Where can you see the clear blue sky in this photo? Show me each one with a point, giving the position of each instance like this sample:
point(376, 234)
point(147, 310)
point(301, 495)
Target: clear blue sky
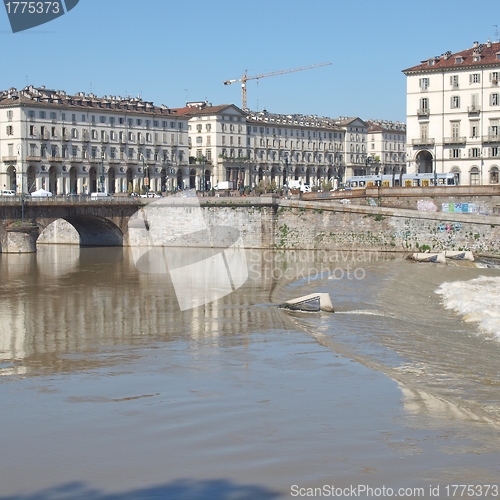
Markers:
point(170, 51)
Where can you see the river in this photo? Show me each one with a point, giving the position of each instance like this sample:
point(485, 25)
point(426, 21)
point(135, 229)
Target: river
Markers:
point(110, 391)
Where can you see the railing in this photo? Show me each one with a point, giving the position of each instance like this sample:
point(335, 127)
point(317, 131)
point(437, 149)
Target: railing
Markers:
point(33, 158)
point(473, 109)
point(55, 159)
point(10, 159)
point(454, 140)
point(423, 141)
point(423, 112)
point(491, 138)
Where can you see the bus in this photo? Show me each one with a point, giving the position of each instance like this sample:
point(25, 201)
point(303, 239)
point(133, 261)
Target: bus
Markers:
point(405, 180)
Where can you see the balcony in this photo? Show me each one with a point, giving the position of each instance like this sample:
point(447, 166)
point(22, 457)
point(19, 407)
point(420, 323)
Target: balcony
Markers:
point(423, 112)
point(9, 159)
point(491, 138)
point(85, 137)
point(114, 161)
point(132, 161)
point(75, 159)
point(65, 137)
point(95, 160)
point(474, 109)
point(55, 159)
point(454, 140)
point(33, 158)
point(423, 141)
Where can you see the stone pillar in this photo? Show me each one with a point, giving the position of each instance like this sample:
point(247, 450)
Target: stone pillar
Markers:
point(21, 238)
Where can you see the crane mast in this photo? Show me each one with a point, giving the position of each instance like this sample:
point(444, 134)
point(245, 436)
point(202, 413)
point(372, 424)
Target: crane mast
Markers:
point(245, 78)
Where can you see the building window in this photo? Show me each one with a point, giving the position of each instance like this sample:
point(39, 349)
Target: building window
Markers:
point(455, 153)
point(494, 77)
point(475, 78)
point(53, 115)
point(42, 114)
point(454, 81)
point(31, 114)
point(10, 130)
point(494, 100)
point(102, 119)
point(455, 102)
point(424, 83)
point(474, 129)
point(475, 152)
point(424, 129)
point(494, 175)
point(474, 176)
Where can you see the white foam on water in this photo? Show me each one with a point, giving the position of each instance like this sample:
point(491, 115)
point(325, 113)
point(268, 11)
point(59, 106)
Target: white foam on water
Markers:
point(476, 301)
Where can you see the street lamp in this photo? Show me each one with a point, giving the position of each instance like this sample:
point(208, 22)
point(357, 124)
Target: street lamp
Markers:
point(368, 162)
point(145, 171)
point(101, 183)
point(285, 176)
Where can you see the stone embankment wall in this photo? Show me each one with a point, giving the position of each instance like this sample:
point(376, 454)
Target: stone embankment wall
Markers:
point(331, 225)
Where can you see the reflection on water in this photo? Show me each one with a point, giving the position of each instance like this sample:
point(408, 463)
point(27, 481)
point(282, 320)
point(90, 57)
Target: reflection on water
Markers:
point(65, 302)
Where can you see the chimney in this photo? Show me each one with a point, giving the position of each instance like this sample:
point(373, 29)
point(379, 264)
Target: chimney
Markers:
point(475, 44)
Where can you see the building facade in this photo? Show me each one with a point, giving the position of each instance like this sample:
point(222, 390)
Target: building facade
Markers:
point(453, 114)
point(82, 144)
point(253, 149)
point(387, 147)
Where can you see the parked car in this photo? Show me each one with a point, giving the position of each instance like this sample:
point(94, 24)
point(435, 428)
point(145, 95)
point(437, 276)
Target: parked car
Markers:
point(96, 196)
point(7, 192)
point(150, 195)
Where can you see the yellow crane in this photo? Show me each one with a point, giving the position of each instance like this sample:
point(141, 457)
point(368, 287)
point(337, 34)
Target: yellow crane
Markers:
point(245, 78)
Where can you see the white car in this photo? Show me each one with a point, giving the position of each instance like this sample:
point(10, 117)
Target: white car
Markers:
point(7, 192)
point(150, 195)
point(96, 196)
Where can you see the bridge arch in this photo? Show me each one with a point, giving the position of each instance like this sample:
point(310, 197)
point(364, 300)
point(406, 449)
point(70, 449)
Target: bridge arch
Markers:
point(92, 231)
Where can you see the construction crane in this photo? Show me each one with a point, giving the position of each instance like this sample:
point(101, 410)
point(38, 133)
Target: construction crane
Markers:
point(245, 78)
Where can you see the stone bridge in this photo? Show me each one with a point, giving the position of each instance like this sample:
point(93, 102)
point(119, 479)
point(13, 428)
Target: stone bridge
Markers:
point(98, 223)
point(268, 222)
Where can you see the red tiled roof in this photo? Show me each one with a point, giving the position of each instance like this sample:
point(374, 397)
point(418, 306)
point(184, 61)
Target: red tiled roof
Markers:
point(208, 110)
point(488, 53)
